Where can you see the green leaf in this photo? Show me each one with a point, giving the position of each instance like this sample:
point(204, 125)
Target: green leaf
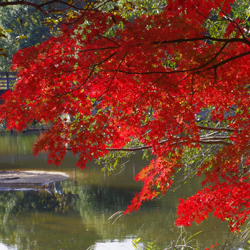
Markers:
point(194, 235)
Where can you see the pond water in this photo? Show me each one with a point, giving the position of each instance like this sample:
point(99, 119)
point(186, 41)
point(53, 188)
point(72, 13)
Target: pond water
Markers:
point(85, 211)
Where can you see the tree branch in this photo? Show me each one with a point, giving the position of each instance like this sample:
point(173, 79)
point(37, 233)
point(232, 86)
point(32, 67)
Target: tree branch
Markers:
point(216, 129)
point(22, 2)
point(202, 38)
point(202, 141)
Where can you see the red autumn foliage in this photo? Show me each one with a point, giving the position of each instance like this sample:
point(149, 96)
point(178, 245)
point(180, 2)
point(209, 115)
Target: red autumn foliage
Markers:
point(147, 79)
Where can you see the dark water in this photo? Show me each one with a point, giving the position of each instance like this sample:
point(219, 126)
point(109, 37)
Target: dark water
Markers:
point(86, 209)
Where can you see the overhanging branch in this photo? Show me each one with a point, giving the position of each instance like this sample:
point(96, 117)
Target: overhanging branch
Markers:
point(216, 129)
point(202, 141)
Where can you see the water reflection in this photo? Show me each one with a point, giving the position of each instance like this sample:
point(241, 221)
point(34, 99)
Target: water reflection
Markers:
point(79, 217)
point(74, 219)
point(123, 245)
point(77, 213)
point(43, 220)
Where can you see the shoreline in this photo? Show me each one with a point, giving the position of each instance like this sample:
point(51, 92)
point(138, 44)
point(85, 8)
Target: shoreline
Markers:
point(30, 178)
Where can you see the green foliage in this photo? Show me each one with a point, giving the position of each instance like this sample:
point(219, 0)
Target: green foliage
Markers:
point(117, 160)
point(148, 245)
point(183, 241)
point(217, 25)
point(20, 27)
point(2, 35)
point(132, 9)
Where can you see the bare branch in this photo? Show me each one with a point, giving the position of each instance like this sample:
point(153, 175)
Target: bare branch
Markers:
point(204, 141)
point(203, 38)
point(22, 2)
point(216, 129)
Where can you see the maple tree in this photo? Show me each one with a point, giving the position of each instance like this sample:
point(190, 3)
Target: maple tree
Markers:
point(139, 82)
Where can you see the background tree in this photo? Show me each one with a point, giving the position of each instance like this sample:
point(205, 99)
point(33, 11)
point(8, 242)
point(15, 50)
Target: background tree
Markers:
point(28, 23)
point(139, 82)
point(49, 7)
point(23, 28)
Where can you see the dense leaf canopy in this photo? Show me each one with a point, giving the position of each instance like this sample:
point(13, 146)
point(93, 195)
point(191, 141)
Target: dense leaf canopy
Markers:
point(174, 82)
